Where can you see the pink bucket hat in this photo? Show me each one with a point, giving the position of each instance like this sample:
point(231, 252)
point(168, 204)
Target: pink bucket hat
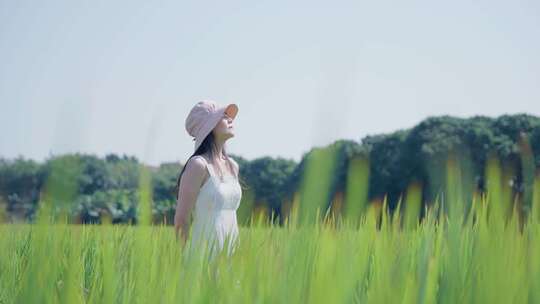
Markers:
point(204, 116)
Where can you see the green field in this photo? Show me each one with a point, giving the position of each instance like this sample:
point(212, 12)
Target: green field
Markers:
point(476, 248)
point(477, 259)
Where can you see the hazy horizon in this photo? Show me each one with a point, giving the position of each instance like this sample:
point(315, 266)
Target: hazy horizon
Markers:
point(297, 159)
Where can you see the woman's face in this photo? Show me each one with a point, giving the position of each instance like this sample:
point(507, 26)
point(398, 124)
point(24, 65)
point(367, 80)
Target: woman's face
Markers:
point(224, 129)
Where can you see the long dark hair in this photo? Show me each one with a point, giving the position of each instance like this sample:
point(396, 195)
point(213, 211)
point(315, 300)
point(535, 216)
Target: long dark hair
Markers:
point(207, 145)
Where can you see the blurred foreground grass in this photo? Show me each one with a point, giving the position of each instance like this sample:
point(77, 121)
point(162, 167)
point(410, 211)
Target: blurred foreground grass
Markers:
point(467, 247)
point(440, 260)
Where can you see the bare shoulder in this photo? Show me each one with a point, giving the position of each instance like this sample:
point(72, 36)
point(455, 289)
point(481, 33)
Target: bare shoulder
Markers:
point(196, 166)
point(198, 161)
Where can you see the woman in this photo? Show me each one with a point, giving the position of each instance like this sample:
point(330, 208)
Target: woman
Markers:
point(208, 184)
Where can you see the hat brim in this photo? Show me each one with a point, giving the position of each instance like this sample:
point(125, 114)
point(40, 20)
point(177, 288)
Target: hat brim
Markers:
point(231, 110)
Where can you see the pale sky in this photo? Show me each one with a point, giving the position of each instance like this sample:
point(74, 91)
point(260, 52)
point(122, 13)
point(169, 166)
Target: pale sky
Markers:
point(121, 76)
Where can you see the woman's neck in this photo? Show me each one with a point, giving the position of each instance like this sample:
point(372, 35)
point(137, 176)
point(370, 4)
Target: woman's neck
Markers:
point(218, 148)
point(220, 160)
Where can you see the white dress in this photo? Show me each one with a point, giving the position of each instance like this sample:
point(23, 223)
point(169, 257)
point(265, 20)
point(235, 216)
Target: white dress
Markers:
point(214, 216)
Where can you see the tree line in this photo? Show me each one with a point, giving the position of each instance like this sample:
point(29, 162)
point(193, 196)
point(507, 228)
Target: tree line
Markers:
point(343, 177)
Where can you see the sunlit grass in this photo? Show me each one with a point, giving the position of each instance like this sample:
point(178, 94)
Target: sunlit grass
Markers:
point(436, 261)
point(466, 248)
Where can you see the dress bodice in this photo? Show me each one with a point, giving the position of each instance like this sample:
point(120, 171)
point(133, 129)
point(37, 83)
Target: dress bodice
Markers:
point(214, 216)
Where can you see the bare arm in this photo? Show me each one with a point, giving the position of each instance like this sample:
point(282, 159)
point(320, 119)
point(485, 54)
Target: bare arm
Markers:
point(189, 188)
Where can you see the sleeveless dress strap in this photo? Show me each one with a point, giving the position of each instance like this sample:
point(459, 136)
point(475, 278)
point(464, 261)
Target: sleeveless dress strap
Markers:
point(208, 166)
point(211, 169)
